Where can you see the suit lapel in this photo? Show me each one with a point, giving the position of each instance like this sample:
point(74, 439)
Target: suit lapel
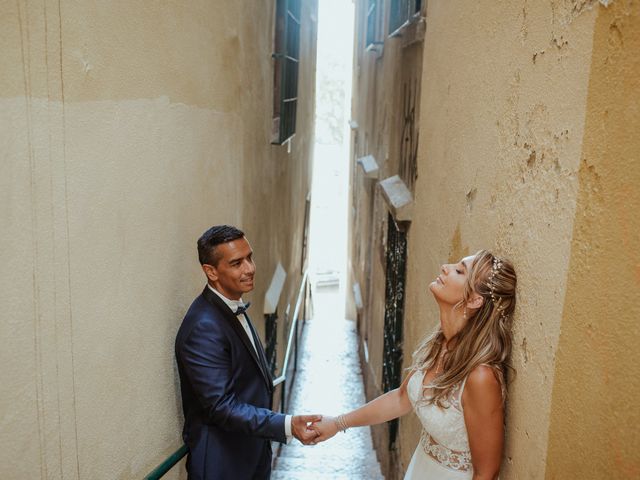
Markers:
point(230, 317)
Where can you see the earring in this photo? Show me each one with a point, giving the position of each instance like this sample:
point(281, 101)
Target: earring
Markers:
point(464, 314)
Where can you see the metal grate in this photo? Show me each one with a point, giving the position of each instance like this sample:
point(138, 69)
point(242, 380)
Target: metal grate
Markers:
point(271, 340)
point(394, 313)
point(287, 58)
point(401, 12)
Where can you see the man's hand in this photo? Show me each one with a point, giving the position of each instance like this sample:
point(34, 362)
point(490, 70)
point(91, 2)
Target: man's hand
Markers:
point(302, 430)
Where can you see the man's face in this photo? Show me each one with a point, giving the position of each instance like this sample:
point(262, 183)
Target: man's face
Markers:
point(233, 275)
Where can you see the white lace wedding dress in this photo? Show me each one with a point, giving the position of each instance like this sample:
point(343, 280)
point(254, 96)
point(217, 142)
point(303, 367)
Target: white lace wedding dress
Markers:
point(443, 452)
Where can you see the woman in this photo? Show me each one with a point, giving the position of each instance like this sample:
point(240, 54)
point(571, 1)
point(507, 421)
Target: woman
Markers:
point(457, 384)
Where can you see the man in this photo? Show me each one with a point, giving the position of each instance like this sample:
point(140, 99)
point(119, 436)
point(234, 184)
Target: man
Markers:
point(224, 378)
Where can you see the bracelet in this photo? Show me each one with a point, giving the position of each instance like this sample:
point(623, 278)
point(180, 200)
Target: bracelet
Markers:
point(341, 423)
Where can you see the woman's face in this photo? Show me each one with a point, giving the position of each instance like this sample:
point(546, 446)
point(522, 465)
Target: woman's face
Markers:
point(448, 287)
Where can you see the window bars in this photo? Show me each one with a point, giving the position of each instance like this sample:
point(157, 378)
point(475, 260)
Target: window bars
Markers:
point(286, 62)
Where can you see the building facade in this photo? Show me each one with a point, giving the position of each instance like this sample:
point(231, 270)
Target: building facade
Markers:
point(128, 128)
point(507, 126)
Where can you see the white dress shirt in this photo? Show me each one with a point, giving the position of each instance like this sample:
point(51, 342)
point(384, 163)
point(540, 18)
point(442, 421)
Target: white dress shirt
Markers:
point(234, 305)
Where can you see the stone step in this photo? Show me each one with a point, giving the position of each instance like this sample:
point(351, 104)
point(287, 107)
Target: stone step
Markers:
point(328, 381)
point(337, 456)
point(342, 451)
point(312, 475)
point(285, 475)
point(312, 472)
point(331, 465)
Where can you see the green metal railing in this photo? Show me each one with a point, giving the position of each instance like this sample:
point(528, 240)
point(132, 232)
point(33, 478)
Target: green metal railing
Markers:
point(168, 464)
point(292, 350)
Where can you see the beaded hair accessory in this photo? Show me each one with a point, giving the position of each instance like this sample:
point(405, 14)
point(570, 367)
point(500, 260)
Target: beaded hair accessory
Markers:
point(495, 269)
point(497, 265)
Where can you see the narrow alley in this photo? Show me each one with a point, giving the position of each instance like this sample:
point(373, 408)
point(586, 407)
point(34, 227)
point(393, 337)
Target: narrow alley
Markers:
point(329, 381)
point(357, 147)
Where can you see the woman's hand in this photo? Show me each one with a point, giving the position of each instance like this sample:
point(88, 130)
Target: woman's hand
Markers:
point(326, 428)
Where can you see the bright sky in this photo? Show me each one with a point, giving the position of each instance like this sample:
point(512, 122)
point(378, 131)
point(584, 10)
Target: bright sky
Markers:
point(335, 30)
point(335, 27)
point(328, 232)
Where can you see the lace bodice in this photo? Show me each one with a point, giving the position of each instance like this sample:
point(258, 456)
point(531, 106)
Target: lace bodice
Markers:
point(444, 437)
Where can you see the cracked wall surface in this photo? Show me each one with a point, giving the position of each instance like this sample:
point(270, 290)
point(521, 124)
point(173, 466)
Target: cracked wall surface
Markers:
point(510, 143)
point(504, 92)
point(513, 157)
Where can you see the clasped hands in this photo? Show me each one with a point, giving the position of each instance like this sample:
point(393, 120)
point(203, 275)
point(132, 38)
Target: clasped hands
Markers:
point(312, 429)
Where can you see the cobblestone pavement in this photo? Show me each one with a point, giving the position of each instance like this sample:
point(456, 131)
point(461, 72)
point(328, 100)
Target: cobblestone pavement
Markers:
point(328, 381)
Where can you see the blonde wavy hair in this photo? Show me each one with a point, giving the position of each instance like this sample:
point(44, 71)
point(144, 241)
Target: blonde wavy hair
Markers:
point(486, 337)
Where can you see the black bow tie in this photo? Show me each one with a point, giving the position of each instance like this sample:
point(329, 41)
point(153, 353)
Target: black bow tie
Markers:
point(243, 308)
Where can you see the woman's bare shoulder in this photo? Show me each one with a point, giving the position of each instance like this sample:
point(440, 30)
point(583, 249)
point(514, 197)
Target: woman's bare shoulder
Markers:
point(482, 381)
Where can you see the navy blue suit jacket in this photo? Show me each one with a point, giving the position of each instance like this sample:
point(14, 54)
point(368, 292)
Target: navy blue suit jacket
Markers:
point(226, 395)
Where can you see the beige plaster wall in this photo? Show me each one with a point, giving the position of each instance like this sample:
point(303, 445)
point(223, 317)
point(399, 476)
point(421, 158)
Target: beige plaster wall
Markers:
point(377, 109)
point(375, 106)
point(503, 112)
point(128, 129)
point(594, 410)
point(381, 77)
point(275, 188)
point(507, 89)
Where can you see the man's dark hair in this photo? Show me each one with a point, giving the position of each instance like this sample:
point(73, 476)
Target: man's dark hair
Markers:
point(213, 237)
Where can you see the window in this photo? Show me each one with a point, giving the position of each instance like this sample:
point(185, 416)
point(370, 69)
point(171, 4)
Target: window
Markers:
point(375, 13)
point(402, 12)
point(286, 60)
